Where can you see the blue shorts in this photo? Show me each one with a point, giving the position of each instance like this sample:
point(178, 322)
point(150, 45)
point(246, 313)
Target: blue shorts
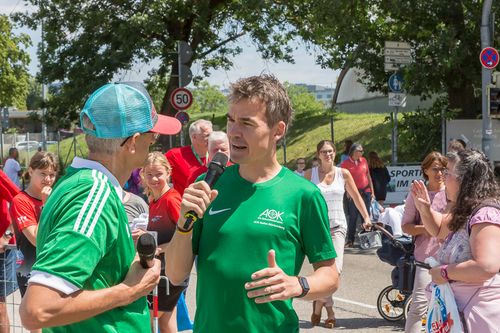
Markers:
point(8, 280)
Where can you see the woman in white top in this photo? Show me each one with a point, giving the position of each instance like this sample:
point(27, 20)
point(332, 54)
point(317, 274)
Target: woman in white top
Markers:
point(333, 182)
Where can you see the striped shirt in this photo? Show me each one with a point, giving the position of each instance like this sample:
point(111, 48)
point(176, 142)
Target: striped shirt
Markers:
point(84, 242)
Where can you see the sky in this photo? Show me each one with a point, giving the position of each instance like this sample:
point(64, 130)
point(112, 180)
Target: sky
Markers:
point(249, 62)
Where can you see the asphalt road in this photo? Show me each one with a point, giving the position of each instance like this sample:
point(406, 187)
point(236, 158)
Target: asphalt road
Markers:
point(363, 278)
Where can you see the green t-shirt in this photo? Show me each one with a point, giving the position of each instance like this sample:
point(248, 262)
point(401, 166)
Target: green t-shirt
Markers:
point(84, 238)
point(245, 221)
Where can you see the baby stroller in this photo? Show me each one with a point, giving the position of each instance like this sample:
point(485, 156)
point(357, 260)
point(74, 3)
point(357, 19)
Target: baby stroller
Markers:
point(394, 301)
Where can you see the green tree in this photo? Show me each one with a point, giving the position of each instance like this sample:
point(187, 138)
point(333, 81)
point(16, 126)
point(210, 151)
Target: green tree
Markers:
point(208, 98)
point(34, 99)
point(14, 60)
point(303, 103)
point(87, 42)
point(444, 35)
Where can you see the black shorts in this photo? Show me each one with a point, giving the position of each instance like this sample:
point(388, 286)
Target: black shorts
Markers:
point(167, 303)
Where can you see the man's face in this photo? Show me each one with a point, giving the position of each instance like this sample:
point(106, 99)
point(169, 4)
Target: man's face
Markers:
point(15, 154)
point(218, 146)
point(251, 140)
point(143, 143)
point(201, 139)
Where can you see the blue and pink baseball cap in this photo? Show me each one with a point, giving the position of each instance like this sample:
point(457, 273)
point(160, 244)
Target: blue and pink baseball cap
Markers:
point(119, 110)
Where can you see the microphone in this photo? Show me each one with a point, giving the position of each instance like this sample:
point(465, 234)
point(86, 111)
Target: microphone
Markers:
point(215, 169)
point(146, 247)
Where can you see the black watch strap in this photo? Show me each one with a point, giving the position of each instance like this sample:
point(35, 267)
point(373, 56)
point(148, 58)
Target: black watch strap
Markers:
point(304, 285)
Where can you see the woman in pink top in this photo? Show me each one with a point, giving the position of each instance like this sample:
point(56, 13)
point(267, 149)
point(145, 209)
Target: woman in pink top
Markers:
point(470, 255)
point(425, 244)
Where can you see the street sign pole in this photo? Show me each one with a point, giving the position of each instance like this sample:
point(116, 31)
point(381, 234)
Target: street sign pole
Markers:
point(394, 116)
point(486, 80)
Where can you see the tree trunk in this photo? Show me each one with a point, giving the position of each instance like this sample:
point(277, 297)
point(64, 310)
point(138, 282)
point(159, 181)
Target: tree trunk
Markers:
point(173, 82)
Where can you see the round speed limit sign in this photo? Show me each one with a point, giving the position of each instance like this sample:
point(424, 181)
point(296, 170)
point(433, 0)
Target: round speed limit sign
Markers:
point(181, 98)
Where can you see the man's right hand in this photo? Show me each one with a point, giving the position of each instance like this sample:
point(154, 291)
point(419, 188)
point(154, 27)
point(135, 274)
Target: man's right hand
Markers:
point(197, 197)
point(141, 281)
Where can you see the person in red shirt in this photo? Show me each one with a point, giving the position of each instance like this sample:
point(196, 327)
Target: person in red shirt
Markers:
point(217, 142)
point(188, 159)
point(360, 171)
point(164, 208)
point(26, 208)
point(8, 283)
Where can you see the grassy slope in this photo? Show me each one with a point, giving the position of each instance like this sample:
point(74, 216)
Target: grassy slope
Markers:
point(304, 134)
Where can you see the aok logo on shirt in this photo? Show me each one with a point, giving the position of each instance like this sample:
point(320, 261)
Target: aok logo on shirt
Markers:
point(271, 217)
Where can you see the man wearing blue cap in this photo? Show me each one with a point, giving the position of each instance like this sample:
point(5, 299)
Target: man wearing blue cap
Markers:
point(85, 278)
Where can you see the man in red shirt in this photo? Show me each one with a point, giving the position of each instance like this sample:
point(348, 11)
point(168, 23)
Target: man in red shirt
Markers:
point(358, 167)
point(217, 142)
point(188, 159)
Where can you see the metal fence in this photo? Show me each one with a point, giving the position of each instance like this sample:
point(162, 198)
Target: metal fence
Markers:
point(9, 303)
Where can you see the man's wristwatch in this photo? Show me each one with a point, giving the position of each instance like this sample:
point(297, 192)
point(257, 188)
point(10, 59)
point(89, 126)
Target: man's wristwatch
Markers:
point(304, 285)
point(444, 273)
point(8, 233)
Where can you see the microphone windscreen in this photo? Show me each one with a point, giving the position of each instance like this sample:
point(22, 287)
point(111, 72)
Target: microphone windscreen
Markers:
point(220, 159)
point(146, 245)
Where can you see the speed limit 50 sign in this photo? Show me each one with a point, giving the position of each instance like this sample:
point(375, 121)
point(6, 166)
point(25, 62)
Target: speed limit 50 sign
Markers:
point(181, 98)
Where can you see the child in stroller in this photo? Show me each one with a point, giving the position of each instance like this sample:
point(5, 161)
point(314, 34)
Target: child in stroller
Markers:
point(394, 300)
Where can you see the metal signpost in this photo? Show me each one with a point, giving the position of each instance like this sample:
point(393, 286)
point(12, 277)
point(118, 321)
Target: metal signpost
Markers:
point(396, 56)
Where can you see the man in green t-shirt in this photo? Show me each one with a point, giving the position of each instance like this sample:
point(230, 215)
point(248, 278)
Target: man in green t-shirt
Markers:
point(86, 277)
point(256, 226)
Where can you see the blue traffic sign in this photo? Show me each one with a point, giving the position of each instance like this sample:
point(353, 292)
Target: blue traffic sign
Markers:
point(396, 83)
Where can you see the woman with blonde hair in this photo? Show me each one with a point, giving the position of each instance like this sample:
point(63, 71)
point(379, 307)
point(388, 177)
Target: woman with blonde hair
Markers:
point(164, 209)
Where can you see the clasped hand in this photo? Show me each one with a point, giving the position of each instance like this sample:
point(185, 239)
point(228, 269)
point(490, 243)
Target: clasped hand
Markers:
point(272, 284)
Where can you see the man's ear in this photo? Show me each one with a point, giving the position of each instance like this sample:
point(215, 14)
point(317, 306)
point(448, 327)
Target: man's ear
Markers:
point(131, 144)
point(280, 131)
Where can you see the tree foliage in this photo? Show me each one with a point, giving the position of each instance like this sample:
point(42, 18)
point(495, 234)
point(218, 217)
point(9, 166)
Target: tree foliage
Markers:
point(87, 42)
point(444, 35)
point(208, 98)
point(14, 60)
point(303, 102)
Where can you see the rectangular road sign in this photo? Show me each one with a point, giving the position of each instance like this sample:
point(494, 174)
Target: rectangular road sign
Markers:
point(397, 99)
point(397, 45)
point(388, 67)
point(397, 60)
point(397, 52)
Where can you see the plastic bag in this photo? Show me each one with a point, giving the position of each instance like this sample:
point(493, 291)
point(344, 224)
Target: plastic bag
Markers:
point(442, 314)
point(183, 321)
point(375, 210)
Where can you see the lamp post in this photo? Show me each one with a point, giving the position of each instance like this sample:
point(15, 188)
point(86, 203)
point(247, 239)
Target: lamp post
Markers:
point(486, 80)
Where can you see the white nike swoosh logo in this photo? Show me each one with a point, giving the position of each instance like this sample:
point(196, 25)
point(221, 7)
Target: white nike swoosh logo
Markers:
point(213, 212)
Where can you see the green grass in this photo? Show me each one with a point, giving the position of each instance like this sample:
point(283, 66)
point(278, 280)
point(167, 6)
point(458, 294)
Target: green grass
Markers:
point(371, 130)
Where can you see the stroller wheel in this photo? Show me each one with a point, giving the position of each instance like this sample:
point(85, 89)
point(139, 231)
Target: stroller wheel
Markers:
point(391, 304)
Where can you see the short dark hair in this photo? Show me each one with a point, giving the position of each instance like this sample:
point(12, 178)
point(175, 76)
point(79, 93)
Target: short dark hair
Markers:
point(12, 150)
point(268, 90)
